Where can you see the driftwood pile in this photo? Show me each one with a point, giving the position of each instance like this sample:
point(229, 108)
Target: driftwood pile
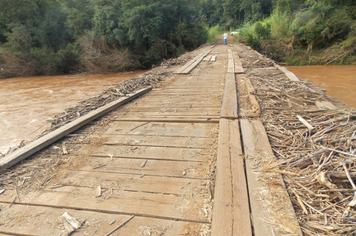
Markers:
point(108, 95)
point(315, 144)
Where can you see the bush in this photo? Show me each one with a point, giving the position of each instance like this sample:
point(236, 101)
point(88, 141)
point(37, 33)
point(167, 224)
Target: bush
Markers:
point(213, 32)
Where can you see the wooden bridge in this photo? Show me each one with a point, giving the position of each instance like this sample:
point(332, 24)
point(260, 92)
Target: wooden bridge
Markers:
point(182, 159)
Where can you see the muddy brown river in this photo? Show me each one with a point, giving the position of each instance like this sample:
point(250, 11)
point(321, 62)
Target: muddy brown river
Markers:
point(339, 81)
point(27, 103)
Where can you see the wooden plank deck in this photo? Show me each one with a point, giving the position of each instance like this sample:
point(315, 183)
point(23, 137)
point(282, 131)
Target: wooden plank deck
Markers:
point(172, 163)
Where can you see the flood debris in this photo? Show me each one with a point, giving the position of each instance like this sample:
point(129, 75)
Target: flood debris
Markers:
point(70, 224)
point(313, 138)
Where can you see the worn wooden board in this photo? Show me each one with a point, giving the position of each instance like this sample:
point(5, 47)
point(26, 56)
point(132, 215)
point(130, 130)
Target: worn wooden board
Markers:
point(184, 169)
point(131, 182)
point(115, 201)
point(271, 209)
point(289, 74)
point(207, 58)
point(148, 128)
point(229, 104)
point(222, 221)
point(32, 220)
point(33, 147)
point(188, 67)
point(154, 140)
point(37, 220)
point(144, 152)
point(230, 63)
point(175, 120)
point(241, 208)
point(325, 105)
point(251, 94)
point(231, 213)
point(238, 66)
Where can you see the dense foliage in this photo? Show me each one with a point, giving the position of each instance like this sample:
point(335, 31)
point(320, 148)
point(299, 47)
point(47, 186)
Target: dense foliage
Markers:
point(57, 36)
point(307, 32)
point(63, 36)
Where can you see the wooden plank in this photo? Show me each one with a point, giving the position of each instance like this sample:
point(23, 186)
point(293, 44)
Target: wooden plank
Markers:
point(188, 142)
point(35, 146)
point(289, 74)
point(167, 168)
point(180, 69)
point(251, 95)
point(147, 128)
point(230, 64)
point(39, 220)
point(146, 152)
point(241, 208)
point(325, 105)
point(229, 105)
point(222, 221)
point(231, 213)
point(238, 66)
point(177, 109)
point(32, 220)
point(271, 209)
point(125, 182)
point(192, 64)
point(116, 202)
point(207, 58)
point(170, 120)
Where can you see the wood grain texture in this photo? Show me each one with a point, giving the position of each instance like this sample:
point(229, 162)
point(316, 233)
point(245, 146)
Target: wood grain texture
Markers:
point(251, 95)
point(271, 209)
point(229, 105)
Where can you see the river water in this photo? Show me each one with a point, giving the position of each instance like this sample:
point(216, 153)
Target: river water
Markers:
point(339, 81)
point(27, 103)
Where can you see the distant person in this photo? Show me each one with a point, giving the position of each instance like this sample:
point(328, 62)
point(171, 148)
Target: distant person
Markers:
point(225, 38)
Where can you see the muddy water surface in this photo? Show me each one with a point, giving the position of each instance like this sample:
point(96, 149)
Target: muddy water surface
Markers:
point(339, 81)
point(26, 103)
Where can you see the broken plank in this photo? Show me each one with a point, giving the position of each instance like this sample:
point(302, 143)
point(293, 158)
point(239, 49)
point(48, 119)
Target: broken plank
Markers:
point(266, 197)
point(33, 147)
point(229, 104)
